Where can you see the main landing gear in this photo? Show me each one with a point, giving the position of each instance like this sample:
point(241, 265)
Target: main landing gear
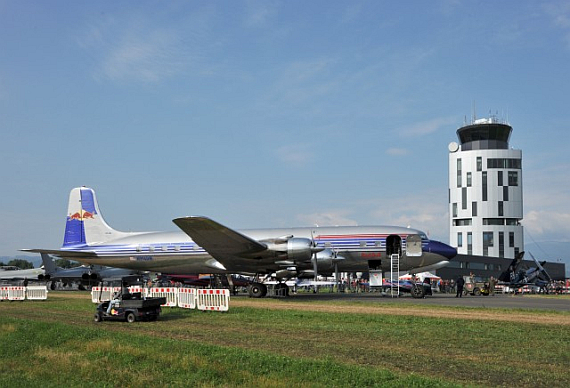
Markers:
point(257, 290)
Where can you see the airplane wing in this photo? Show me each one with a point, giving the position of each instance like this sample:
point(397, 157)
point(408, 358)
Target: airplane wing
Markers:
point(220, 241)
point(63, 253)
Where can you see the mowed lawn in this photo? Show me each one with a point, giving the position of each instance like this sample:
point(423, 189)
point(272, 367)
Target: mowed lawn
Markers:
point(282, 343)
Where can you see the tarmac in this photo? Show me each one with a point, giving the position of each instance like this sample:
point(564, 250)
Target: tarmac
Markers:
point(499, 301)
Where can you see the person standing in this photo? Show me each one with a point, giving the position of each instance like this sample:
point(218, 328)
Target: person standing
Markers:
point(492, 283)
point(459, 284)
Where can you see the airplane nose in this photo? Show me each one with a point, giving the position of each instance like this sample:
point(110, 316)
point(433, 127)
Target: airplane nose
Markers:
point(441, 249)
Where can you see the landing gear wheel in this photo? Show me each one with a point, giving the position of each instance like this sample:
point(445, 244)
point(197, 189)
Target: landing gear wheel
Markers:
point(257, 290)
point(131, 317)
point(417, 291)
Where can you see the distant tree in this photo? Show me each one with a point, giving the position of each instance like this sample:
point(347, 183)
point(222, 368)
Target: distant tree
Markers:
point(64, 263)
point(2, 263)
point(21, 263)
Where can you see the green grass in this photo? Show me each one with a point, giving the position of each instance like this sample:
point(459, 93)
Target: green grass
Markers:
point(55, 343)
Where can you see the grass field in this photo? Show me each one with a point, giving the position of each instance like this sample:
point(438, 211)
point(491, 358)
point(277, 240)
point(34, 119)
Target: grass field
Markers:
point(283, 343)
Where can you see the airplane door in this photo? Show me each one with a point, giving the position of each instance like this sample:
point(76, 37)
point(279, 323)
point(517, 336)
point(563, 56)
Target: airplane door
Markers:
point(393, 245)
point(413, 245)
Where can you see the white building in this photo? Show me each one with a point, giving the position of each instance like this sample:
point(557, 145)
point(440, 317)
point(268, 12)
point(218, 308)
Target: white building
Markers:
point(485, 191)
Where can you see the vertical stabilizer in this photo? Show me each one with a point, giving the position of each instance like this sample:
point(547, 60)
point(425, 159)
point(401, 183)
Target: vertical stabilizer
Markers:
point(49, 265)
point(85, 225)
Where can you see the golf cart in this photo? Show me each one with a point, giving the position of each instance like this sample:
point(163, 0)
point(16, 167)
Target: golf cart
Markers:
point(130, 307)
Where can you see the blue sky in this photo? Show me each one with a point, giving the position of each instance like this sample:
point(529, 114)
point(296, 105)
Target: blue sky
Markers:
point(274, 113)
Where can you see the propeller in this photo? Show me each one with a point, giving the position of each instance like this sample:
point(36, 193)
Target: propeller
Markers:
point(541, 268)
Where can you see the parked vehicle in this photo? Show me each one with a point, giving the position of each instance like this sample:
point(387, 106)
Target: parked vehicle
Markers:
point(475, 285)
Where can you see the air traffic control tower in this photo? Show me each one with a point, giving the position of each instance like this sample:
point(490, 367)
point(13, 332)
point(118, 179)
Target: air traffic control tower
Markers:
point(485, 190)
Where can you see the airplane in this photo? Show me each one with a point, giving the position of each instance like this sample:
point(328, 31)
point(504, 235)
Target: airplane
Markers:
point(535, 276)
point(85, 275)
point(205, 246)
point(11, 273)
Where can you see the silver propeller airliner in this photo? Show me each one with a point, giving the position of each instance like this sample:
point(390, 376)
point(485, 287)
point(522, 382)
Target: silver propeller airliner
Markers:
point(205, 246)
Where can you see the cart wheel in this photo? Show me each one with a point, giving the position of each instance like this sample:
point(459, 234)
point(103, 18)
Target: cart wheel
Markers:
point(97, 317)
point(477, 291)
point(131, 317)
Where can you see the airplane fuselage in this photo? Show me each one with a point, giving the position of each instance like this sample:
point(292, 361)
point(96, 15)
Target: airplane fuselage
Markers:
point(176, 253)
point(205, 246)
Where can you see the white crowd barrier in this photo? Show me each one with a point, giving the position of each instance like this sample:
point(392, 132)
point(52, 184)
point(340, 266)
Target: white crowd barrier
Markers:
point(189, 298)
point(17, 293)
point(36, 292)
point(213, 299)
point(4, 292)
point(103, 294)
point(170, 293)
point(21, 292)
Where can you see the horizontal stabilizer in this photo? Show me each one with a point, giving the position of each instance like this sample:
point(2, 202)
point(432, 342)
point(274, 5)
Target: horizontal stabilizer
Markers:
point(218, 240)
point(63, 253)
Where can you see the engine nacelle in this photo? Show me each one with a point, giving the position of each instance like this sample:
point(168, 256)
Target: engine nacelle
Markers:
point(286, 273)
point(327, 259)
point(300, 249)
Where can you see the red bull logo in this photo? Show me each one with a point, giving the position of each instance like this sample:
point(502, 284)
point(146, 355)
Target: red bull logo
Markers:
point(81, 216)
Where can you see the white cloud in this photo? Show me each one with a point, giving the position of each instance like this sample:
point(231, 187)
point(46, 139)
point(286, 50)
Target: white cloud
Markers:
point(397, 151)
point(428, 127)
point(260, 13)
point(148, 58)
point(135, 50)
point(301, 85)
point(560, 15)
point(330, 218)
point(548, 225)
point(297, 155)
point(422, 210)
point(546, 189)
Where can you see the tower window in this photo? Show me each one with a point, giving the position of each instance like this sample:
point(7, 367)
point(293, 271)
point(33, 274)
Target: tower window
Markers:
point(484, 185)
point(487, 242)
point(479, 163)
point(458, 172)
point(501, 244)
point(513, 178)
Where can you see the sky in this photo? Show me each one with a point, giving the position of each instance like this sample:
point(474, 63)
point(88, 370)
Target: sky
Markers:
point(275, 113)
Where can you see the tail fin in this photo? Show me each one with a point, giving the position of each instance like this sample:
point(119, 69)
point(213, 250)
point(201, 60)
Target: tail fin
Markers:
point(49, 265)
point(85, 225)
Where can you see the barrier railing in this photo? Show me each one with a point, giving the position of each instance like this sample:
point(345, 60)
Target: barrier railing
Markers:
point(170, 293)
point(4, 293)
point(17, 293)
point(36, 292)
point(188, 298)
point(22, 293)
point(103, 294)
point(213, 299)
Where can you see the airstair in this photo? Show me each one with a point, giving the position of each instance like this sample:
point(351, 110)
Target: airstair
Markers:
point(394, 274)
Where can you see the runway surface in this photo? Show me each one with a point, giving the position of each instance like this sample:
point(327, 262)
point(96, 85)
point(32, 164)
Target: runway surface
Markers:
point(507, 301)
